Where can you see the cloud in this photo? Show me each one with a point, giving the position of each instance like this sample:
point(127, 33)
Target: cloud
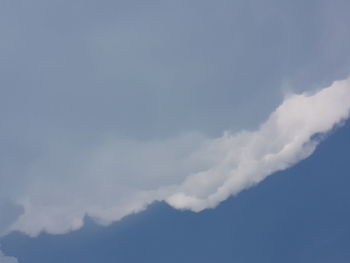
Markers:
point(92, 105)
point(287, 137)
point(5, 259)
point(112, 178)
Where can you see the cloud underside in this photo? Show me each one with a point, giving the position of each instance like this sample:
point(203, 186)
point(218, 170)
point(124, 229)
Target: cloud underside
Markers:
point(115, 178)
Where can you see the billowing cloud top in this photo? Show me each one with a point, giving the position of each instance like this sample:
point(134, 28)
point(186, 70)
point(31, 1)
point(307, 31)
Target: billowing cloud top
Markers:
point(114, 178)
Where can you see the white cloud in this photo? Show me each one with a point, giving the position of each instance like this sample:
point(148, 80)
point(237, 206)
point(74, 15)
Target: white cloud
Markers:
point(116, 178)
point(283, 140)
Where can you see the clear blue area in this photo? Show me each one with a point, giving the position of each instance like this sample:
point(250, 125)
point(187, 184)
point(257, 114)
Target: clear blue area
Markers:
point(299, 215)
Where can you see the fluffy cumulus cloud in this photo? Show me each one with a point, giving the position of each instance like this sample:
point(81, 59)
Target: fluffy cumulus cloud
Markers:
point(113, 178)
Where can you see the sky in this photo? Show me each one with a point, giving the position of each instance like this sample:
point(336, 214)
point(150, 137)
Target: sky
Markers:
point(121, 119)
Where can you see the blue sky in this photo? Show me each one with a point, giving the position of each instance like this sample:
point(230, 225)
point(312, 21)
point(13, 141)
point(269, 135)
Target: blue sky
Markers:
point(162, 121)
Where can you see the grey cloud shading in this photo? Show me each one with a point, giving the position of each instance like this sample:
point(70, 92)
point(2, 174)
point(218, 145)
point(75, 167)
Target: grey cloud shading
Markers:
point(146, 83)
point(12, 212)
point(164, 67)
